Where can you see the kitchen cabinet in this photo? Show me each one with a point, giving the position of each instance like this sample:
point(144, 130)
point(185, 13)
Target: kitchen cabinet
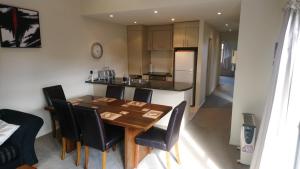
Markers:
point(138, 56)
point(160, 37)
point(186, 34)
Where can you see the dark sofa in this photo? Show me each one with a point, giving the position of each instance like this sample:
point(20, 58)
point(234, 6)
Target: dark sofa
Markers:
point(19, 148)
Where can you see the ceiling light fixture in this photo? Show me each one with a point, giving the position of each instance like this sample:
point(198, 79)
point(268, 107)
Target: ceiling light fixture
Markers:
point(111, 15)
point(219, 13)
point(226, 25)
point(173, 19)
point(135, 22)
point(155, 12)
point(230, 30)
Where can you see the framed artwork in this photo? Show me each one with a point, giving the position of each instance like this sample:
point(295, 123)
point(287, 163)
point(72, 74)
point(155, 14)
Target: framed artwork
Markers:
point(19, 27)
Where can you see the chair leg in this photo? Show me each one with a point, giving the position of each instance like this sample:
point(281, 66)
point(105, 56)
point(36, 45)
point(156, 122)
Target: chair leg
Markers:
point(136, 155)
point(114, 147)
point(177, 153)
point(168, 160)
point(63, 150)
point(78, 144)
point(53, 126)
point(86, 154)
point(104, 160)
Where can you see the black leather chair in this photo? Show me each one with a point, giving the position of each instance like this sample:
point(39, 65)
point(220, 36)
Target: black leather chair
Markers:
point(51, 93)
point(142, 95)
point(19, 148)
point(117, 92)
point(95, 134)
point(68, 126)
point(163, 139)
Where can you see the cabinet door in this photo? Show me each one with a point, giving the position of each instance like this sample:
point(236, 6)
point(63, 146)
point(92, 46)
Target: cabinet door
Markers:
point(135, 51)
point(192, 35)
point(161, 40)
point(179, 35)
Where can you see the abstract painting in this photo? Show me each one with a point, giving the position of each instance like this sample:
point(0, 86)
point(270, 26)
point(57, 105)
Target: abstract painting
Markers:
point(19, 28)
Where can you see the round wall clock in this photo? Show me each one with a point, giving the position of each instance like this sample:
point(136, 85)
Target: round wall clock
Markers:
point(96, 50)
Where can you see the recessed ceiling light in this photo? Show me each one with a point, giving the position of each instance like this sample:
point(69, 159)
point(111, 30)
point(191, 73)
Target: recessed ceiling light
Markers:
point(135, 22)
point(173, 19)
point(219, 13)
point(155, 11)
point(230, 30)
point(226, 25)
point(111, 15)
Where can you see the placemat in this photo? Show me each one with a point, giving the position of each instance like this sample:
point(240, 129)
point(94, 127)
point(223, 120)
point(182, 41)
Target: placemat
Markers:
point(136, 103)
point(153, 114)
point(104, 99)
point(110, 115)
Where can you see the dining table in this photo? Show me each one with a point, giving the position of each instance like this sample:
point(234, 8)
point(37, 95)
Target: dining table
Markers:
point(135, 117)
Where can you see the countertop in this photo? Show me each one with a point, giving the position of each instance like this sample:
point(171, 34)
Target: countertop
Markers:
point(158, 74)
point(151, 84)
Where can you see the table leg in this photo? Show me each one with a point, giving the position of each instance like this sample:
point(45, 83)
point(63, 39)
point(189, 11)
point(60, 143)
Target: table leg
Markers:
point(130, 134)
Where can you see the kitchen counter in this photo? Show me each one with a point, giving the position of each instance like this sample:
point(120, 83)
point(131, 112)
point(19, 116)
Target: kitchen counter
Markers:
point(164, 93)
point(151, 84)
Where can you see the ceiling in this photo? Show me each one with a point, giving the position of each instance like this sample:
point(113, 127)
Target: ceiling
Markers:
point(182, 10)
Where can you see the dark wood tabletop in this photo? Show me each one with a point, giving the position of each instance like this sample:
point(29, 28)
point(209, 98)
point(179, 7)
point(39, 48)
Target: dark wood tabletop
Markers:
point(133, 119)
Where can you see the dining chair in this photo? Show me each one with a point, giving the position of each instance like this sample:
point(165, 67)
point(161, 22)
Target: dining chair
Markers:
point(116, 92)
point(142, 95)
point(96, 134)
point(68, 126)
point(51, 93)
point(163, 139)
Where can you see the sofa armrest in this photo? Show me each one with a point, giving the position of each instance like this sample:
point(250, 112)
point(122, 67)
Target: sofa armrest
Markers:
point(24, 137)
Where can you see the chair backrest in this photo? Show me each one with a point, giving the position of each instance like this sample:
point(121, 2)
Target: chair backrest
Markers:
point(54, 92)
point(92, 127)
point(174, 125)
point(116, 92)
point(67, 119)
point(142, 95)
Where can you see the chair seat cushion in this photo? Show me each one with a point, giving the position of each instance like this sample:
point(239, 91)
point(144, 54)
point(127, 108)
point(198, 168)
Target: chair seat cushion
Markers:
point(154, 137)
point(8, 153)
point(113, 135)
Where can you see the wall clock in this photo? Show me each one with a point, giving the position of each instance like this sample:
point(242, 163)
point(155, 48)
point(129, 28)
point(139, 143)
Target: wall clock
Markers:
point(96, 50)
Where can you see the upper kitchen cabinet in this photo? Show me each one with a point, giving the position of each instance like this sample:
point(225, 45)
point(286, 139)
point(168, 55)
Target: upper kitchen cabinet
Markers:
point(160, 37)
point(138, 56)
point(186, 34)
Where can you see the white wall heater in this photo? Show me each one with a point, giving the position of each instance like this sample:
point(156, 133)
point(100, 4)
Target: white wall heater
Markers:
point(248, 135)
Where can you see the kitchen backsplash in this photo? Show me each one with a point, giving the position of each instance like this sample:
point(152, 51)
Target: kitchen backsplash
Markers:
point(162, 61)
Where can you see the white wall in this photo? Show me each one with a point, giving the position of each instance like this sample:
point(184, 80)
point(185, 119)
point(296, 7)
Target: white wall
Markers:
point(206, 32)
point(260, 24)
point(63, 59)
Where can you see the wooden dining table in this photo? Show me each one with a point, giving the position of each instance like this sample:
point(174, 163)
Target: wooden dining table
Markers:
point(132, 118)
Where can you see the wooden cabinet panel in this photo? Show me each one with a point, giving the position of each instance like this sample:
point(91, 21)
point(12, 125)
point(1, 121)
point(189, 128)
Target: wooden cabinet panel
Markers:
point(134, 43)
point(138, 56)
point(179, 35)
point(186, 34)
point(162, 40)
point(160, 37)
point(192, 36)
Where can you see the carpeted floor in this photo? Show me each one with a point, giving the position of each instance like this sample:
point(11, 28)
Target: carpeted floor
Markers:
point(203, 145)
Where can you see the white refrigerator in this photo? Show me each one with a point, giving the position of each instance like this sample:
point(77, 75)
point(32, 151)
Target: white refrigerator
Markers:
point(184, 66)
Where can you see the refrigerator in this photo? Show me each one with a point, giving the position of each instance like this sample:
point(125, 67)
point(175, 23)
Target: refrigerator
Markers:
point(184, 66)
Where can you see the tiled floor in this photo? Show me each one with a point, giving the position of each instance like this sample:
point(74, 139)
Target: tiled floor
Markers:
point(203, 145)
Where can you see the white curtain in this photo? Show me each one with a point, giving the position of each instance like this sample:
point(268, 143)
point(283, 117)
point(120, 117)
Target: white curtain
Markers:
point(277, 144)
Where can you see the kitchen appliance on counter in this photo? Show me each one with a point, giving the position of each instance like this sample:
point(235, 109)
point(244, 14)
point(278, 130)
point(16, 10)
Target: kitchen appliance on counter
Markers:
point(106, 74)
